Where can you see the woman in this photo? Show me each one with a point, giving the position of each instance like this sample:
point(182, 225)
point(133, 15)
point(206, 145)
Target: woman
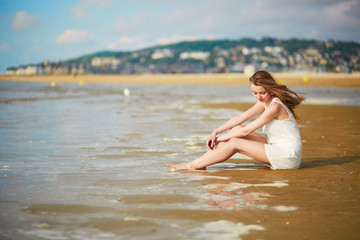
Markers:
point(280, 150)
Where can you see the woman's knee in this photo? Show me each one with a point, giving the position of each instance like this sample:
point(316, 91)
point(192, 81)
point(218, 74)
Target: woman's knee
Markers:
point(234, 144)
point(231, 145)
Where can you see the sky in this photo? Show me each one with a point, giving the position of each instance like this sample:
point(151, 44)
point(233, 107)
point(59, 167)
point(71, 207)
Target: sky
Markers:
point(32, 31)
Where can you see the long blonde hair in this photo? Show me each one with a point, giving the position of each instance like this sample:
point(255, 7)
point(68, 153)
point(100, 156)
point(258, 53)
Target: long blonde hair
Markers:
point(290, 98)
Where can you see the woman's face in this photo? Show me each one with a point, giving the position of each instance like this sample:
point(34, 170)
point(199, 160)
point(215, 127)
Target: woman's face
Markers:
point(260, 93)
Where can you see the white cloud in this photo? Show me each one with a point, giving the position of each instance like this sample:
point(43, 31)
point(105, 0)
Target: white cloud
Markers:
point(119, 25)
point(213, 16)
point(128, 42)
point(71, 36)
point(340, 15)
point(313, 34)
point(81, 11)
point(129, 39)
point(139, 41)
point(99, 3)
point(22, 21)
point(210, 37)
point(4, 47)
point(277, 18)
point(174, 39)
point(134, 25)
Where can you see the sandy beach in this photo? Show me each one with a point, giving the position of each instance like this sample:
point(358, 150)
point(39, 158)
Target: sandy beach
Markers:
point(87, 162)
point(291, 79)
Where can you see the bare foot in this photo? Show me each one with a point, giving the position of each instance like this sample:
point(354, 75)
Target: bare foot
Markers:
point(177, 166)
point(182, 166)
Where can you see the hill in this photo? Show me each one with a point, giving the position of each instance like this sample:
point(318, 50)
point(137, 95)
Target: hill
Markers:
point(218, 56)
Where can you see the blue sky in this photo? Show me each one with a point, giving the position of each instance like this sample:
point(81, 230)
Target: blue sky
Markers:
point(38, 30)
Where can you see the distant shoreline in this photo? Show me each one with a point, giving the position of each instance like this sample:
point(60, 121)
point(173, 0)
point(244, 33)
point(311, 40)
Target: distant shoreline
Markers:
point(225, 79)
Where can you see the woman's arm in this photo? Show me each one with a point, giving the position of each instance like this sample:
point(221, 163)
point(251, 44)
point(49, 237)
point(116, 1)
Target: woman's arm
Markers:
point(239, 119)
point(270, 113)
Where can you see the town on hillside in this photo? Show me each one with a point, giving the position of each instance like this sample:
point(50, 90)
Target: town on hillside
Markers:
point(216, 56)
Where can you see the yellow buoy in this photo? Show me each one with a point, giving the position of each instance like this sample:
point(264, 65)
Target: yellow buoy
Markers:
point(81, 82)
point(305, 79)
point(53, 84)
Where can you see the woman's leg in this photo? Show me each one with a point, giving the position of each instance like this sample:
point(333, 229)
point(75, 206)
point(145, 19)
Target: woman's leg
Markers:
point(224, 151)
point(219, 154)
point(252, 145)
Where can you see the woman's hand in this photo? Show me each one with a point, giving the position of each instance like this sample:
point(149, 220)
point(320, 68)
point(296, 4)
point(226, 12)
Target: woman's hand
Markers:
point(211, 141)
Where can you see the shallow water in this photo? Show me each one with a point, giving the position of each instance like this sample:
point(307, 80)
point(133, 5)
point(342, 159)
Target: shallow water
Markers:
point(86, 162)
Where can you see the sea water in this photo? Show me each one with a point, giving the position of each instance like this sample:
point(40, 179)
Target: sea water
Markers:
point(86, 162)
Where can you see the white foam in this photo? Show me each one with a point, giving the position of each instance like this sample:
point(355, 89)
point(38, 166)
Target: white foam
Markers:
point(229, 187)
point(190, 141)
point(202, 177)
point(235, 185)
point(62, 234)
point(284, 208)
point(278, 184)
point(41, 225)
point(224, 230)
point(234, 166)
point(45, 234)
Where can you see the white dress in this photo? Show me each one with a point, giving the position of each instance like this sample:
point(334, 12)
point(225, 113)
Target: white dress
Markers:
point(284, 146)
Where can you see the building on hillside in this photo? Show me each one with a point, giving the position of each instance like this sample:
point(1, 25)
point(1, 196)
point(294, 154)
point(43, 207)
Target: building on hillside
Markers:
point(162, 53)
point(105, 62)
point(11, 71)
point(20, 70)
point(30, 70)
point(195, 55)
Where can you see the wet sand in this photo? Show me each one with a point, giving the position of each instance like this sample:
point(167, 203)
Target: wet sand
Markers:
point(318, 201)
point(291, 79)
point(326, 188)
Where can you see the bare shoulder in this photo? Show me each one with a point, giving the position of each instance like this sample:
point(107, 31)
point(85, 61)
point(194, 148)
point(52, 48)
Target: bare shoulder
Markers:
point(275, 107)
point(278, 111)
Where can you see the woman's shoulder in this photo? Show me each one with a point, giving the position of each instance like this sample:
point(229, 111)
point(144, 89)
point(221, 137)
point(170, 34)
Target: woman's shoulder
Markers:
point(276, 99)
point(273, 100)
point(279, 106)
point(275, 105)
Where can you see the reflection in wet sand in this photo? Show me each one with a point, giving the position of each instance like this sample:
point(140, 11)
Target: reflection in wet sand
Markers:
point(231, 196)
